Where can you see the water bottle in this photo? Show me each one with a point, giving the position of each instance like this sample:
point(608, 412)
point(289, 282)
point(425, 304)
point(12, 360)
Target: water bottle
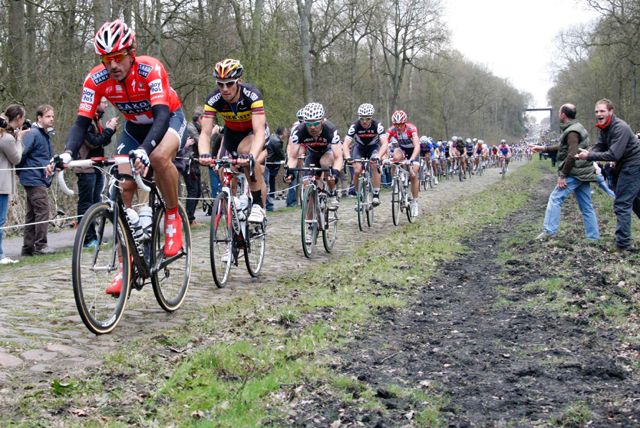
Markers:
point(146, 218)
point(134, 223)
point(241, 207)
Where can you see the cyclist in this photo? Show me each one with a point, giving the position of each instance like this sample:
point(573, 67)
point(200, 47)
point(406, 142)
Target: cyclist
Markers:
point(427, 153)
point(246, 133)
point(458, 151)
point(320, 139)
point(504, 154)
point(370, 143)
point(154, 128)
point(404, 135)
point(468, 147)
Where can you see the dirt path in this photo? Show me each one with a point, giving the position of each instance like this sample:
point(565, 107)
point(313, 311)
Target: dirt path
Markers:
point(42, 337)
point(496, 363)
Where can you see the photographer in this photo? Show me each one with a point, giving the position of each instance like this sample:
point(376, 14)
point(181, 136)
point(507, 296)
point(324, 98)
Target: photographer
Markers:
point(10, 153)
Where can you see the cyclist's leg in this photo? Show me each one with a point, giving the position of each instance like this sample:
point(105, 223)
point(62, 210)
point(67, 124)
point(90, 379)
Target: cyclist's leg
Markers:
point(414, 170)
point(256, 183)
point(326, 161)
point(356, 153)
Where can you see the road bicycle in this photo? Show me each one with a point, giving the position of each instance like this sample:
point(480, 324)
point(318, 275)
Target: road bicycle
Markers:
point(400, 201)
point(316, 215)
point(364, 194)
point(425, 174)
point(456, 169)
point(231, 235)
point(119, 247)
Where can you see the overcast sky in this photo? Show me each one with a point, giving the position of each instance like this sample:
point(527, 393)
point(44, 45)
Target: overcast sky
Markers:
point(514, 39)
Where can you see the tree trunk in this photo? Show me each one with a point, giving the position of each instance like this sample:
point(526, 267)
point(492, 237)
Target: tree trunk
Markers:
point(15, 50)
point(304, 12)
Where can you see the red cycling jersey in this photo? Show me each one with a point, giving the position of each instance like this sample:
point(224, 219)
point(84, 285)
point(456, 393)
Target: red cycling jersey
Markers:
point(404, 139)
point(146, 85)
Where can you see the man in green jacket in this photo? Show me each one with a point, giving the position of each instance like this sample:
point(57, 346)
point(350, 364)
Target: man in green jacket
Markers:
point(574, 176)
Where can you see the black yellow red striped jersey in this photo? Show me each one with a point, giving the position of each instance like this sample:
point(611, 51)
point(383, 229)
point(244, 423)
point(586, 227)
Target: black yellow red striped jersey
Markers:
point(236, 116)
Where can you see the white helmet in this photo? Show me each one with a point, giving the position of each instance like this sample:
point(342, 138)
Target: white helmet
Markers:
point(299, 115)
point(313, 111)
point(366, 110)
point(113, 37)
point(424, 139)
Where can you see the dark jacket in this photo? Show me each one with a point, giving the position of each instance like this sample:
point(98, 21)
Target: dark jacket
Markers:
point(275, 152)
point(617, 143)
point(37, 153)
point(95, 141)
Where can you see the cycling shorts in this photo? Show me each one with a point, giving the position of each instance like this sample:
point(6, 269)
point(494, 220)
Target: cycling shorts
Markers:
point(232, 139)
point(134, 133)
point(365, 152)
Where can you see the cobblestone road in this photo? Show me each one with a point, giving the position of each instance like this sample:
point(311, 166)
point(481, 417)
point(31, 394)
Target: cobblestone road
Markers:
point(42, 336)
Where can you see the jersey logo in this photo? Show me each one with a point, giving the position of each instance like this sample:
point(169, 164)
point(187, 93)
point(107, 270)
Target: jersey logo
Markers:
point(155, 87)
point(214, 99)
point(85, 107)
point(134, 107)
point(100, 77)
point(250, 94)
point(88, 95)
point(144, 70)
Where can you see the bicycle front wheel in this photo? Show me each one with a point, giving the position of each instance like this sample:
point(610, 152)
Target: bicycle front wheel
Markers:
point(220, 240)
point(395, 201)
point(369, 203)
point(361, 204)
point(309, 221)
point(254, 248)
point(330, 231)
point(95, 266)
point(170, 278)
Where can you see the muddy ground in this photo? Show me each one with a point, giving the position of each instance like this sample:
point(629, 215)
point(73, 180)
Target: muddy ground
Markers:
point(471, 339)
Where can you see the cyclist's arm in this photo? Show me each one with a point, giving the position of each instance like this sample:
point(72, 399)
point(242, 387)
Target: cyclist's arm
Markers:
point(416, 147)
point(77, 133)
point(346, 146)
point(384, 146)
point(159, 127)
point(293, 150)
point(206, 130)
point(337, 156)
point(258, 122)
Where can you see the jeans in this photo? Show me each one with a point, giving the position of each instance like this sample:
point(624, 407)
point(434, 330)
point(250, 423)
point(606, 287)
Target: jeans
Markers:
point(627, 200)
point(292, 197)
point(603, 185)
point(192, 183)
point(35, 235)
point(582, 191)
point(89, 191)
point(270, 174)
point(214, 182)
point(4, 207)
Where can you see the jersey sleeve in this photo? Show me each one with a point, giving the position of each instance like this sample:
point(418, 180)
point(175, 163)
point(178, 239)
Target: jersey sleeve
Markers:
point(381, 131)
point(91, 93)
point(352, 131)
point(210, 104)
point(257, 103)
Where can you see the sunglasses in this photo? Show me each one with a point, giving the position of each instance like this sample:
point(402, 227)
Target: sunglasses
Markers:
point(399, 124)
point(316, 123)
point(365, 119)
point(117, 57)
point(227, 84)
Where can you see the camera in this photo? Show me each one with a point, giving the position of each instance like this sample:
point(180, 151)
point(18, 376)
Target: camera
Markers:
point(26, 124)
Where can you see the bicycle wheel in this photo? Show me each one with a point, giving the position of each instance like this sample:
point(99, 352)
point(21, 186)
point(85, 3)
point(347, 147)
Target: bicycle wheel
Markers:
point(94, 268)
point(361, 204)
point(330, 230)
point(460, 173)
point(504, 169)
point(220, 240)
point(254, 247)
point(309, 221)
point(395, 200)
point(369, 203)
point(170, 278)
point(410, 216)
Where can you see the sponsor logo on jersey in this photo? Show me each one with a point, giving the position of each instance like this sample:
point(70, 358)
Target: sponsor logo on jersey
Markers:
point(88, 95)
point(155, 87)
point(134, 107)
point(85, 106)
point(250, 94)
point(119, 88)
point(214, 99)
point(100, 76)
point(144, 69)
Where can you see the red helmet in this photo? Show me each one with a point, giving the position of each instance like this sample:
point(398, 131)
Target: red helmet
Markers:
point(398, 116)
point(114, 36)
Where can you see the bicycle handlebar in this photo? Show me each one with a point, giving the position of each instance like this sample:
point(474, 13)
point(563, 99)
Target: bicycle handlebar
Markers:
point(100, 161)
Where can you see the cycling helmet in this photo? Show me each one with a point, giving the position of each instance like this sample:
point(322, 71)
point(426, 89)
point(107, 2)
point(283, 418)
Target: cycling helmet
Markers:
point(228, 69)
point(468, 141)
point(366, 110)
point(424, 140)
point(398, 117)
point(313, 111)
point(299, 115)
point(503, 141)
point(112, 37)
point(475, 140)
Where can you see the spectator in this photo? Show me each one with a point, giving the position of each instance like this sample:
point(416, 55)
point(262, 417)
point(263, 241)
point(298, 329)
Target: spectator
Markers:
point(36, 155)
point(574, 176)
point(90, 181)
point(191, 174)
point(275, 155)
point(11, 136)
point(619, 144)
